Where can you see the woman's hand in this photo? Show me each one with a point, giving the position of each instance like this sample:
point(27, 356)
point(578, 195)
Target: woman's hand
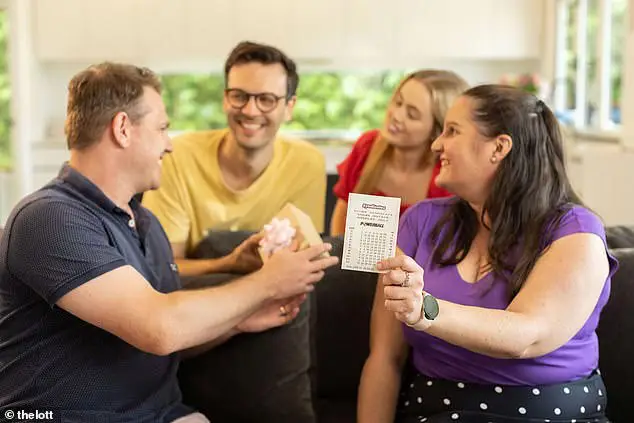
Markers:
point(403, 288)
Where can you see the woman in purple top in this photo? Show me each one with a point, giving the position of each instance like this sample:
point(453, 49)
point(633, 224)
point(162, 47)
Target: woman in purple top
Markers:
point(496, 292)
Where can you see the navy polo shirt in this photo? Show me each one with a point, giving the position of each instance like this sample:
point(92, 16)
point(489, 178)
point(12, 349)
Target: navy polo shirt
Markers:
point(56, 239)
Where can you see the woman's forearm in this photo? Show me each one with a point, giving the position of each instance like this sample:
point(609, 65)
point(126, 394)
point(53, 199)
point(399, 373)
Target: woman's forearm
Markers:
point(492, 332)
point(378, 391)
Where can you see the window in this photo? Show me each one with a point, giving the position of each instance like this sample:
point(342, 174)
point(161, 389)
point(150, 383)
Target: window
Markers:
point(5, 95)
point(590, 50)
point(341, 101)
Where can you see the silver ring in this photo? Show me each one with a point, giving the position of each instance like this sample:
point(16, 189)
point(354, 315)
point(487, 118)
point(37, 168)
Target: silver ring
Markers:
point(406, 281)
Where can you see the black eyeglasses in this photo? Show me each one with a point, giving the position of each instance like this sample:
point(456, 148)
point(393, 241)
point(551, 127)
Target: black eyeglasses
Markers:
point(265, 102)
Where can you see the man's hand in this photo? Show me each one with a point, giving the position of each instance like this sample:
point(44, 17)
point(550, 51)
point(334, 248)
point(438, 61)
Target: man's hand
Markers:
point(289, 273)
point(274, 314)
point(245, 258)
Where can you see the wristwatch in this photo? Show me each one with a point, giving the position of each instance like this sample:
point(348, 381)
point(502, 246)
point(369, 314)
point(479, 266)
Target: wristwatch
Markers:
point(430, 309)
point(430, 306)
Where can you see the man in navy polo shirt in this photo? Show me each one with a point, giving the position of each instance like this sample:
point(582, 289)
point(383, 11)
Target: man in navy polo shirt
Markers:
point(91, 315)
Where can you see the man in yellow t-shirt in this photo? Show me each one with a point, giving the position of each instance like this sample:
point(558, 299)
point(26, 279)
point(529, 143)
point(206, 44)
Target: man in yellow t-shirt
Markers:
point(239, 178)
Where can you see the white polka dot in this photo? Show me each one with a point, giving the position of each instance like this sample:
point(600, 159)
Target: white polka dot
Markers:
point(411, 386)
point(406, 403)
point(424, 420)
point(586, 390)
point(498, 389)
point(522, 410)
point(557, 411)
point(446, 401)
point(429, 383)
point(536, 391)
point(573, 421)
point(460, 385)
point(419, 400)
point(455, 416)
point(599, 407)
point(484, 406)
point(582, 409)
point(566, 390)
point(547, 421)
point(600, 393)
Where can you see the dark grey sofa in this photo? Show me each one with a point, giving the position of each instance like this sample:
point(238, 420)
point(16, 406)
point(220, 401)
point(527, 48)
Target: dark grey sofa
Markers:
point(339, 317)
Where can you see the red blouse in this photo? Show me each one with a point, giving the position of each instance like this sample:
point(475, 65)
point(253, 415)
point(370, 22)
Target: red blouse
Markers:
point(350, 171)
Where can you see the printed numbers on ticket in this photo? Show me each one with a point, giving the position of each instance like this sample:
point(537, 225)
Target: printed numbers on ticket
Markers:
point(371, 230)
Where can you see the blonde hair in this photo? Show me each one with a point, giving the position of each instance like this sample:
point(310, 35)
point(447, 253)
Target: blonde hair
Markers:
point(444, 87)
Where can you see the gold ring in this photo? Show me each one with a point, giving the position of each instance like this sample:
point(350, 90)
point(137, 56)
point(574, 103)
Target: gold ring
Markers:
point(283, 311)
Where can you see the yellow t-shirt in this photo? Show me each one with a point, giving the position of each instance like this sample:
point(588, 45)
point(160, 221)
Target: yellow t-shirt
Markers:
point(193, 197)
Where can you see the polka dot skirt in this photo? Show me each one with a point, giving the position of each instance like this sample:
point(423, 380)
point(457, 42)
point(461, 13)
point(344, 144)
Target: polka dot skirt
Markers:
point(423, 399)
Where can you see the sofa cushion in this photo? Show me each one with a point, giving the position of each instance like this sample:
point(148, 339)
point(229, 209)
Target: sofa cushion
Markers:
point(336, 411)
point(343, 305)
point(616, 347)
point(219, 243)
point(260, 377)
point(620, 236)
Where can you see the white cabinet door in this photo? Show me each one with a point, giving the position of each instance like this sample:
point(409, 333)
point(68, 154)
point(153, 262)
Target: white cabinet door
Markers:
point(315, 33)
point(519, 28)
point(209, 33)
point(57, 26)
point(370, 31)
point(422, 30)
point(308, 31)
point(262, 21)
point(86, 31)
point(187, 33)
point(161, 31)
point(468, 29)
point(113, 30)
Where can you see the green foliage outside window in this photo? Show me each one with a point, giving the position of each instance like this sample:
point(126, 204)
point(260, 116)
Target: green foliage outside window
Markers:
point(618, 36)
point(5, 97)
point(349, 101)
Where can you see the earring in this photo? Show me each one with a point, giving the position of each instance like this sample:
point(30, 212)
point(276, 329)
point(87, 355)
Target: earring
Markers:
point(494, 159)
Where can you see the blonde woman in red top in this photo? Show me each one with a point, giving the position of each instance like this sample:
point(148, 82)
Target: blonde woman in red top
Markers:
point(397, 160)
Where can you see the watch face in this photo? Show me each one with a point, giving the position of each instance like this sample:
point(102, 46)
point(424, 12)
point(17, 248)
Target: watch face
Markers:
point(430, 306)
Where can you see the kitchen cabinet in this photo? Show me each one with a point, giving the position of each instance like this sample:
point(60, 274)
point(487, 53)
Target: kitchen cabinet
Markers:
point(86, 31)
point(460, 29)
point(329, 32)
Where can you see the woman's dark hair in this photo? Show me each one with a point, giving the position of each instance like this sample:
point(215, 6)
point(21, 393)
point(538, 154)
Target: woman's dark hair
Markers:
point(530, 191)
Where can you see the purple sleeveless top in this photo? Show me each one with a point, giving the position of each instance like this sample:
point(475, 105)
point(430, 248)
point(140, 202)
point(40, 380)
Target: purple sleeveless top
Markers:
point(436, 358)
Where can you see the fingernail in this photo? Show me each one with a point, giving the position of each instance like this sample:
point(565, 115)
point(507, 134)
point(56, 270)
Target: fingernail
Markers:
point(328, 246)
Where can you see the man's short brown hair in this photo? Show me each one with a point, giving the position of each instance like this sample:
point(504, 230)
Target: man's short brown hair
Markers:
point(98, 93)
point(249, 52)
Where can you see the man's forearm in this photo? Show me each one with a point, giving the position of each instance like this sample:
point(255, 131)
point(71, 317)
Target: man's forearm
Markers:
point(200, 349)
point(198, 267)
point(196, 317)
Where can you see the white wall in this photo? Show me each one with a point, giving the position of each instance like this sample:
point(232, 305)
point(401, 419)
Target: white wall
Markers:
point(602, 173)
